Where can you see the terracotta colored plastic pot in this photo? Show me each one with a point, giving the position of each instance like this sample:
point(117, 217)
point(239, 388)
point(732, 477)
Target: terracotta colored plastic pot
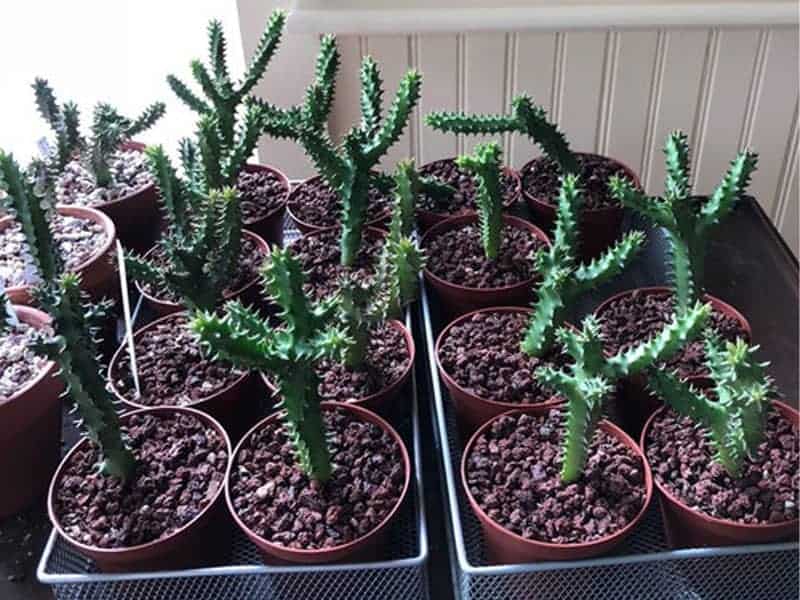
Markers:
point(249, 294)
point(599, 227)
point(472, 410)
point(506, 547)
point(188, 546)
point(428, 218)
point(689, 528)
point(30, 435)
point(136, 216)
point(459, 299)
point(366, 547)
point(383, 401)
point(270, 226)
point(232, 406)
point(305, 227)
point(98, 274)
point(635, 402)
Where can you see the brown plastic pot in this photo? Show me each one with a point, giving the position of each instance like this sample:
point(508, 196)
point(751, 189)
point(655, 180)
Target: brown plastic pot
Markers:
point(383, 401)
point(635, 402)
point(599, 227)
point(505, 547)
point(459, 299)
point(182, 548)
point(428, 218)
point(270, 226)
point(98, 273)
point(232, 406)
point(30, 436)
point(686, 527)
point(305, 227)
point(472, 410)
point(366, 547)
point(249, 294)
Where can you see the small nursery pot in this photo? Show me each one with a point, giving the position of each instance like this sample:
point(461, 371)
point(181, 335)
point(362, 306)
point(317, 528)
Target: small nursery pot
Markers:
point(599, 227)
point(249, 294)
point(30, 436)
point(690, 528)
point(428, 218)
point(506, 547)
point(180, 549)
point(305, 227)
point(383, 401)
point(459, 299)
point(230, 406)
point(635, 402)
point(98, 273)
point(471, 409)
point(366, 546)
point(270, 226)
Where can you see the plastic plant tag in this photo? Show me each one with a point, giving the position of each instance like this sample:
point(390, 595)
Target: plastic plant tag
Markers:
point(126, 311)
point(10, 313)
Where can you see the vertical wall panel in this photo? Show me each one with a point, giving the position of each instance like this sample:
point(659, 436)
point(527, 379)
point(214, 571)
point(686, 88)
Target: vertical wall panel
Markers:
point(486, 72)
point(438, 64)
point(583, 75)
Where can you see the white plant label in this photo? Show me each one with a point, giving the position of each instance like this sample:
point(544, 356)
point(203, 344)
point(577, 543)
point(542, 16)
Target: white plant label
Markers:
point(10, 313)
point(126, 311)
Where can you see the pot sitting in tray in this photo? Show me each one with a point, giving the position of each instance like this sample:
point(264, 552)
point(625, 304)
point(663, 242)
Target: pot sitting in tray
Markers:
point(312, 483)
point(724, 458)
point(477, 261)
point(487, 358)
point(545, 486)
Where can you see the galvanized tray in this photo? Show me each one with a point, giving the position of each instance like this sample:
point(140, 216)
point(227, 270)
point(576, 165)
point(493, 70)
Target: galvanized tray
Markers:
point(644, 568)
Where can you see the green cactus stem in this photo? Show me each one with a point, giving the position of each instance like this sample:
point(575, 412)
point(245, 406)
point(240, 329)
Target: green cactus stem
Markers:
point(563, 280)
point(735, 412)
point(346, 167)
point(687, 220)
point(288, 353)
point(587, 381)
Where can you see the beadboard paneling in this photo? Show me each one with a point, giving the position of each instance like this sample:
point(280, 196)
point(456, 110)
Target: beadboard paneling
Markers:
point(437, 57)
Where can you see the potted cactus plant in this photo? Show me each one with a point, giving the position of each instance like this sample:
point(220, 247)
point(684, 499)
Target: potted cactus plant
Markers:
point(553, 485)
point(601, 216)
point(298, 485)
point(487, 358)
point(105, 171)
point(724, 456)
point(634, 315)
point(481, 260)
point(230, 125)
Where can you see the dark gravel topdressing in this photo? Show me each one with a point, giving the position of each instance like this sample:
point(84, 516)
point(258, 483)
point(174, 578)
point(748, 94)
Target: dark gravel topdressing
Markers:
point(316, 203)
point(78, 240)
point(281, 504)
point(766, 491)
point(542, 180)
point(447, 171)
point(637, 317)
point(181, 465)
point(172, 369)
point(482, 354)
point(129, 173)
point(260, 194)
point(457, 256)
point(513, 474)
point(320, 258)
point(19, 365)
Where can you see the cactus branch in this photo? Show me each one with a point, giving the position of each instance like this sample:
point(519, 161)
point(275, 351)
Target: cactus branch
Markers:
point(486, 165)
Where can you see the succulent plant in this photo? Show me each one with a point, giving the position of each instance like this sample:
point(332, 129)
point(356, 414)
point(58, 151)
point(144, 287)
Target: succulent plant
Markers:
point(588, 380)
point(288, 353)
point(563, 280)
point(203, 243)
point(347, 167)
point(227, 136)
point(526, 118)
point(688, 220)
point(735, 412)
point(109, 130)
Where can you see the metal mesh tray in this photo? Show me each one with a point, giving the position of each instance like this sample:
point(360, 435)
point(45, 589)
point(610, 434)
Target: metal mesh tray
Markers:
point(645, 567)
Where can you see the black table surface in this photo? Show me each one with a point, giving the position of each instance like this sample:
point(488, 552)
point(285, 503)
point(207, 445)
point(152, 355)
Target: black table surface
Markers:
point(748, 266)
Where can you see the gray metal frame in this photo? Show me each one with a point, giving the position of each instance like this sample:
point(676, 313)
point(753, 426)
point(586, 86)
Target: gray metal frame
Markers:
point(644, 568)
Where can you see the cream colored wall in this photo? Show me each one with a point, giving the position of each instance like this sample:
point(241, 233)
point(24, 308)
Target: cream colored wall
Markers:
point(615, 92)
